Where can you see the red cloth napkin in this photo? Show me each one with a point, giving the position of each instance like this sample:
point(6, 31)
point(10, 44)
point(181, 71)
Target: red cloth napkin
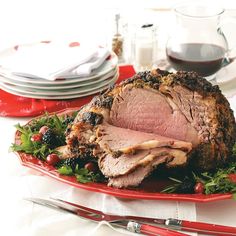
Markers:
point(17, 106)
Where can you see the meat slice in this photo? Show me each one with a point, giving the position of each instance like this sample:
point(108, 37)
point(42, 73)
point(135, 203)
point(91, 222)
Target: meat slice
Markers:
point(128, 141)
point(121, 151)
point(136, 177)
point(178, 119)
point(129, 162)
point(128, 150)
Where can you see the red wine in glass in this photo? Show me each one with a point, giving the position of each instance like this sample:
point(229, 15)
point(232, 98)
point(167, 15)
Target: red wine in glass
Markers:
point(205, 59)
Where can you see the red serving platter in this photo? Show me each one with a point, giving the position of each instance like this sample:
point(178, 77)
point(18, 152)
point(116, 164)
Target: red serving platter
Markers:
point(147, 191)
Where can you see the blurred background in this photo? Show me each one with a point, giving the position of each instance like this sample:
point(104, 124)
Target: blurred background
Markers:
point(26, 21)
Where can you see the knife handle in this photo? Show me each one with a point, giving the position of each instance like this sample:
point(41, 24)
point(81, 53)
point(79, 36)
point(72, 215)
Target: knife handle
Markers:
point(210, 229)
point(151, 230)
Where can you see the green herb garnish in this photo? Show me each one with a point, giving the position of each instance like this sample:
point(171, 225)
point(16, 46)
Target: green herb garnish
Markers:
point(82, 175)
point(221, 181)
point(65, 170)
point(41, 149)
point(35, 148)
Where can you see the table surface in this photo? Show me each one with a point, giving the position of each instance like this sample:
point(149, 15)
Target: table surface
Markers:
point(20, 217)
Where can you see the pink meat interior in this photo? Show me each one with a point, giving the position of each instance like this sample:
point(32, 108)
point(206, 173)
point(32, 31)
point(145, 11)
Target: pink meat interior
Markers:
point(149, 111)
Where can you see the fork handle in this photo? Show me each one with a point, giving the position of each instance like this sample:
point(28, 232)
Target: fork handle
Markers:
point(211, 229)
point(151, 230)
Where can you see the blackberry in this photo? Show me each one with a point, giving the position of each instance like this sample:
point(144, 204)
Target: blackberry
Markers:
point(92, 118)
point(187, 186)
point(103, 101)
point(51, 139)
point(68, 120)
point(72, 162)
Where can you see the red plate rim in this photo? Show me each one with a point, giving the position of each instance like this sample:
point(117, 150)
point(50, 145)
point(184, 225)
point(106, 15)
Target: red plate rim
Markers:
point(36, 164)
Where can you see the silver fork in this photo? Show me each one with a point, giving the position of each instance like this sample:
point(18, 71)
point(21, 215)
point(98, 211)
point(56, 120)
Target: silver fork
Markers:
point(133, 225)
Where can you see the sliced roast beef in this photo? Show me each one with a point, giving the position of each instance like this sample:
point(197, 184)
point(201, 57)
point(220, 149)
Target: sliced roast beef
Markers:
point(129, 141)
point(136, 177)
point(154, 117)
point(127, 163)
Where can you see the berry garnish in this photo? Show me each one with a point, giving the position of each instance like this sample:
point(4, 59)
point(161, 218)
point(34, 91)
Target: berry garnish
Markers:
point(36, 137)
point(91, 166)
point(52, 159)
point(199, 187)
point(50, 138)
point(72, 162)
point(43, 129)
point(232, 178)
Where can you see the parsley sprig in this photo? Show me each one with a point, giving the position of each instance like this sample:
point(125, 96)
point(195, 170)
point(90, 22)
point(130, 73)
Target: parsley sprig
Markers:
point(82, 175)
point(221, 181)
point(41, 150)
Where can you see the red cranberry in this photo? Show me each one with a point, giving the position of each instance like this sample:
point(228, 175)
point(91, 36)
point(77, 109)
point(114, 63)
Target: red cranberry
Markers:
point(52, 159)
point(91, 166)
point(232, 178)
point(36, 137)
point(199, 187)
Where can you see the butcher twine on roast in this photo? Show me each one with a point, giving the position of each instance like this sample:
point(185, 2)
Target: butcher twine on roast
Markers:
point(157, 117)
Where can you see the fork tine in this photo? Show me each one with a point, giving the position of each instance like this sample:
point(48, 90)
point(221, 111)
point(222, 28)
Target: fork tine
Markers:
point(103, 216)
point(111, 217)
point(136, 227)
point(51, 204)
point(67, 208)
point(90, 210)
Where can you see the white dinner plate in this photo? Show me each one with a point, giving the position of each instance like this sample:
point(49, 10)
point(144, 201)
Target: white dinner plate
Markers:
point(62, 96)
point(60, 92)
point(58, 86)
point(106, 67)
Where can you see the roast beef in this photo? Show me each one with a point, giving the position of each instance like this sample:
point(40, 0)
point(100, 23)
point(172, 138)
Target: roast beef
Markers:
point(177, 119)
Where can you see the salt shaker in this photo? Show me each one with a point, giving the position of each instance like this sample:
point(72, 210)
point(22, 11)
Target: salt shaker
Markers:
point(145, 47)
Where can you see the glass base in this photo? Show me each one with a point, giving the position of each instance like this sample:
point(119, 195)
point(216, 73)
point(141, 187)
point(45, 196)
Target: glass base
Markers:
point(211, 78)
point(140, 68)
point(224, 76)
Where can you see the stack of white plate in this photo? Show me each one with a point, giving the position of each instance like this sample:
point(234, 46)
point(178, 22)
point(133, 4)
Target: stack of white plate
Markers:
point(62, 88)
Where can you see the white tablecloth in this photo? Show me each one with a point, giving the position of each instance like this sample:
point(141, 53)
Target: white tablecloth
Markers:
point(19, 217)
point(22, 218)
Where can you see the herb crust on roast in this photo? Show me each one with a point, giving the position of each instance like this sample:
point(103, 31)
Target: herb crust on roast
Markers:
point(153, 118)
